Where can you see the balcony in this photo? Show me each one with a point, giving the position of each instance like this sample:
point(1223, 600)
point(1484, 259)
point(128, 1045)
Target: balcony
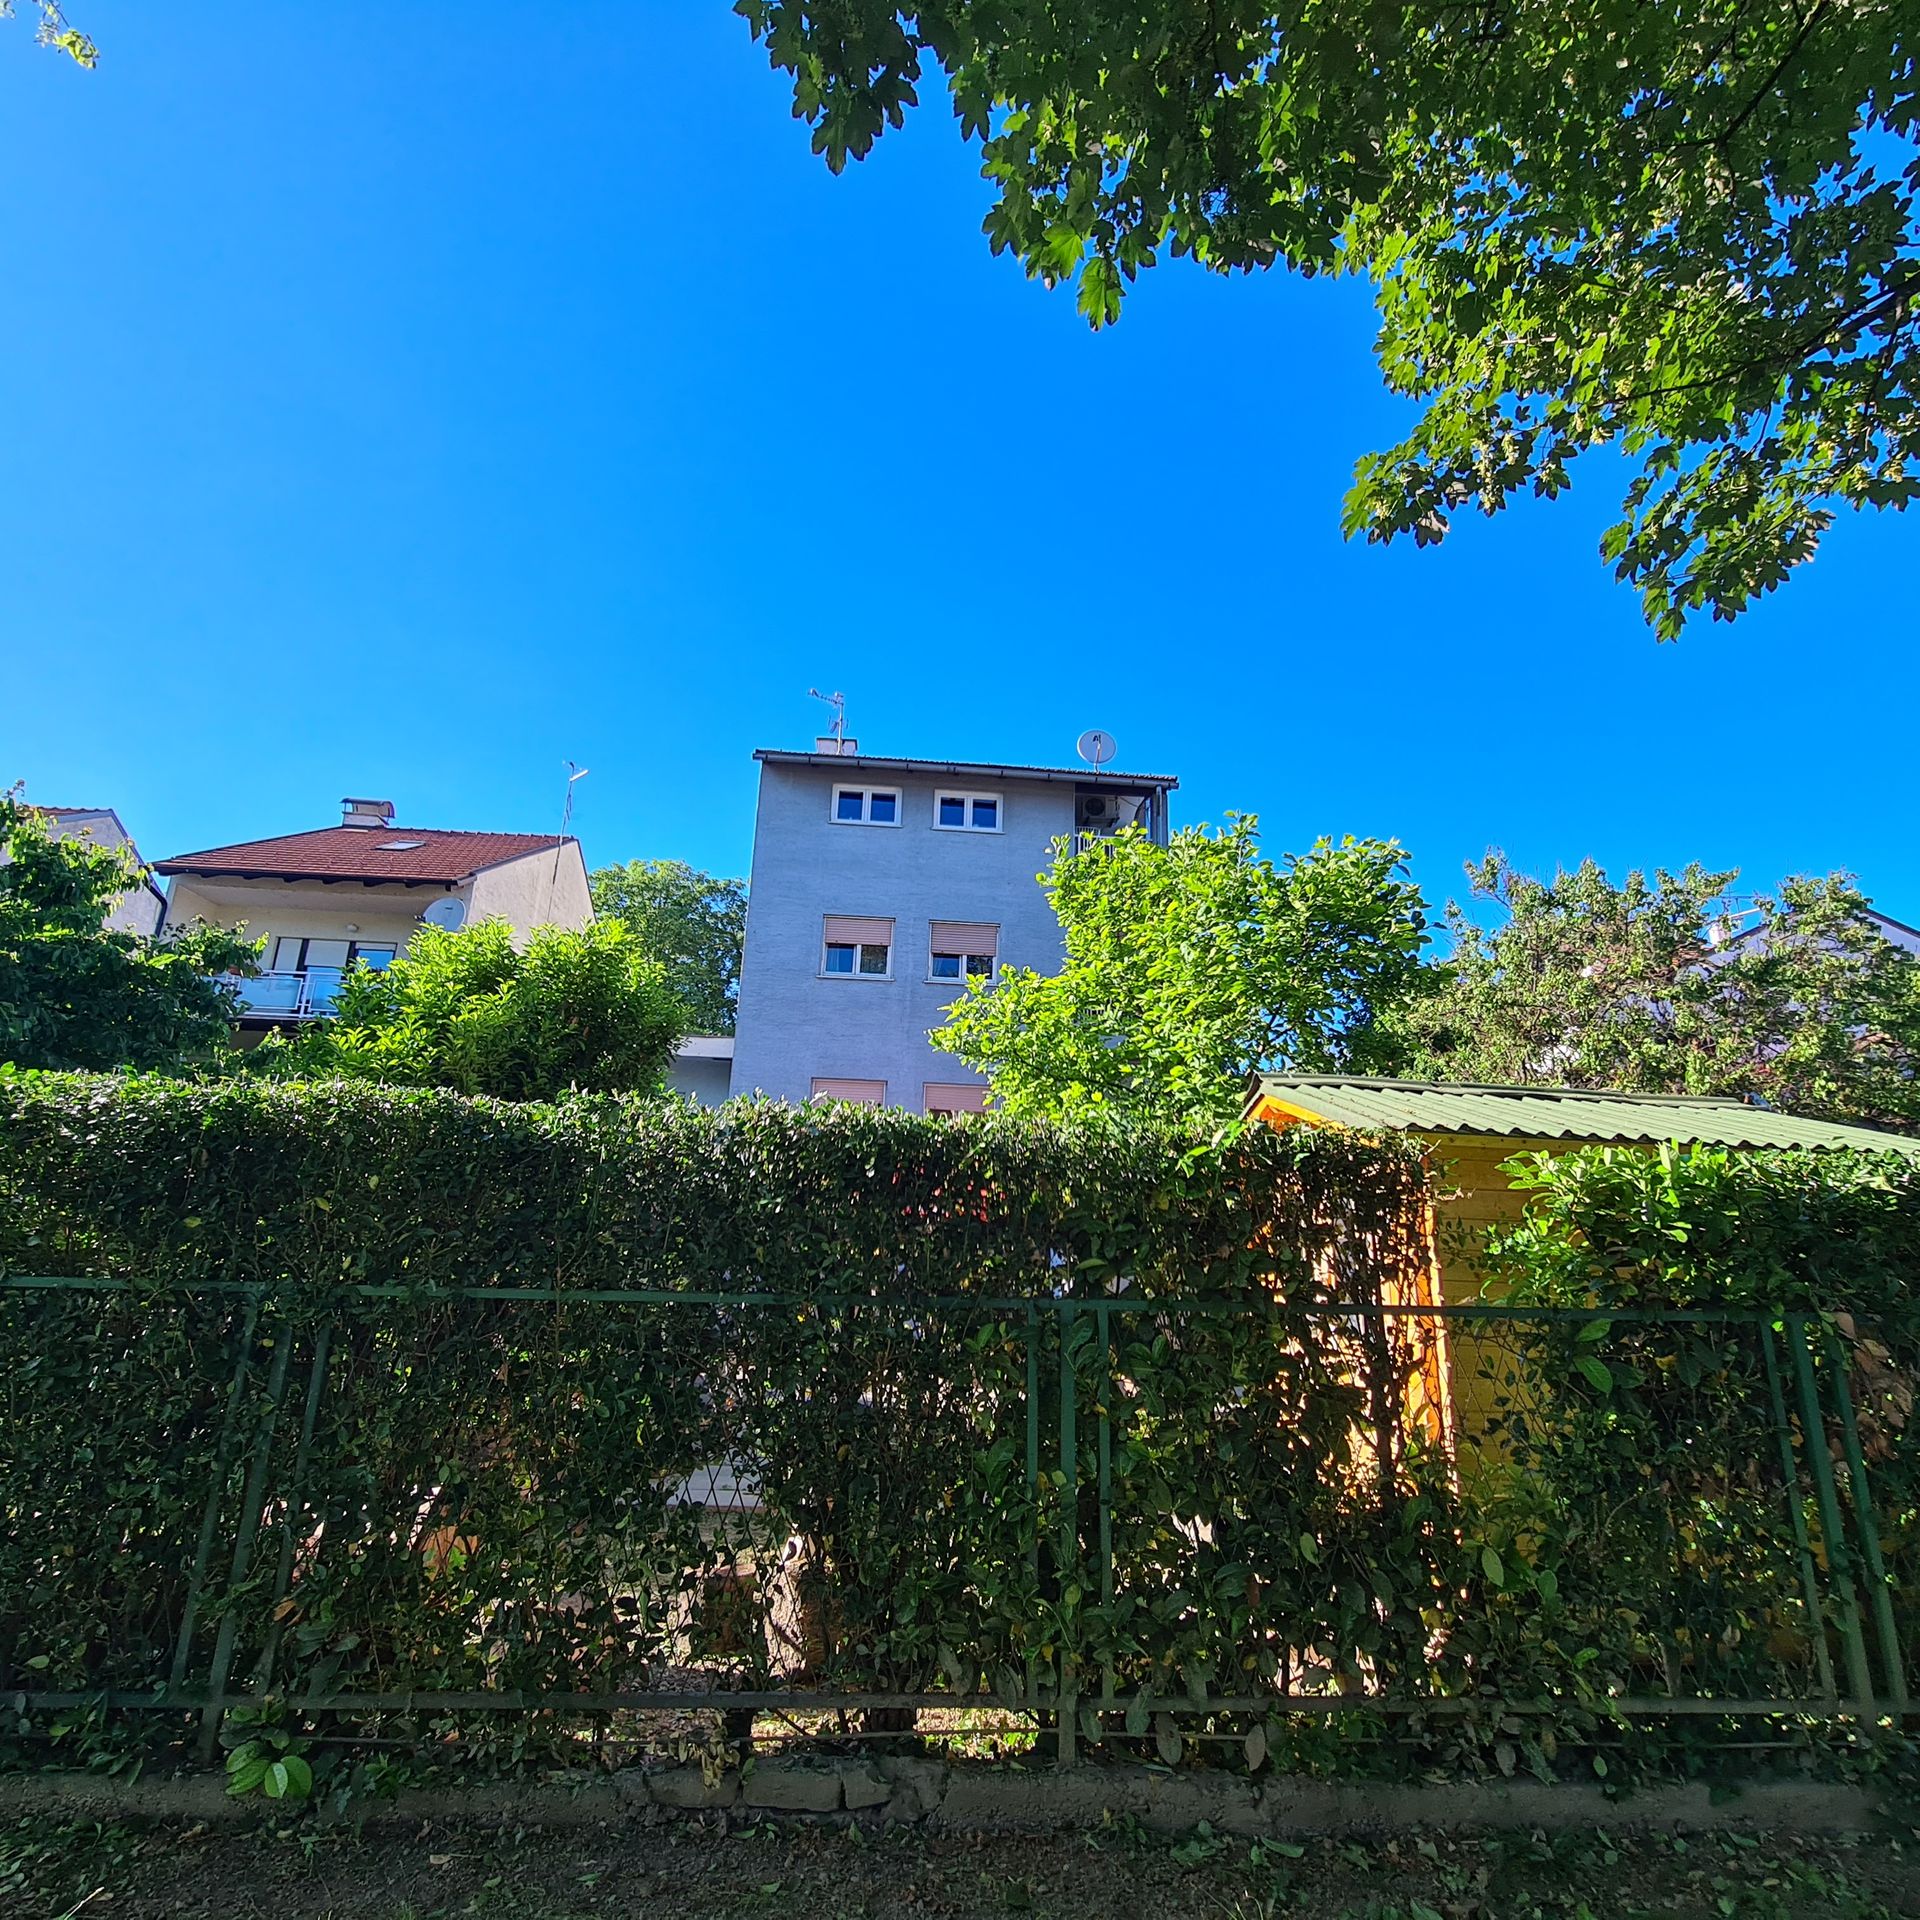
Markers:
point(288, 996)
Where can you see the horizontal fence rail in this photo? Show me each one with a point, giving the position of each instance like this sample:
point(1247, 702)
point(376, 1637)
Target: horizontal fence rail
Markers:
point(1128, 1517)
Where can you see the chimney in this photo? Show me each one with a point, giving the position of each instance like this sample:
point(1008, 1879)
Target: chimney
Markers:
point(366, 813)
point(826, 743)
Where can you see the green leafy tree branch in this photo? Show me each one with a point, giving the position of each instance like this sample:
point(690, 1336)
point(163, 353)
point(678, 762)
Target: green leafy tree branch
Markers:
point(1684, 231)
point(1189, 965)
point(1650, 986)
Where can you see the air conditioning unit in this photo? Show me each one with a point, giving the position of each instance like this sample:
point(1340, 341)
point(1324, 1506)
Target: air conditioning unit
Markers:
point(1098, 810)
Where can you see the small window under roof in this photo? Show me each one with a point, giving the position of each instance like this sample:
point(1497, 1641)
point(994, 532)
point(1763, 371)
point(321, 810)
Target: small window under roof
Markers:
point(398, 846)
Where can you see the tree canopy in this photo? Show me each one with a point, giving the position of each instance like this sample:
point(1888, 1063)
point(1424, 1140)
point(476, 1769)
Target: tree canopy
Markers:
point(1189, 965)
point(1654, 986)
point(589, 1009)
point(74, 994)
point(1686, 228)
point(692, 922)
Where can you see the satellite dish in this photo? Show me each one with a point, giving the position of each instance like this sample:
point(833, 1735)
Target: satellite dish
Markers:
point(446, 913)
point(1095, 748)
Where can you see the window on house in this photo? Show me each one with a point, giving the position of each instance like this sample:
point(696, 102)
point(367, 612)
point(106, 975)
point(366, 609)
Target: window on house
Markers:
point(967, 812)
point(294, 953)
point(866, 806)
point(863, 1093)
point(853, 946)
point(940, 1097)
point(962, 950)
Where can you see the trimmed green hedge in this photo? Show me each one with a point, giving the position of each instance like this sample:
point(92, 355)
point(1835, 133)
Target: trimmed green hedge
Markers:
point(314, 1184)
point(497, 1492)
point(1832, 1235)
point(928, 1406)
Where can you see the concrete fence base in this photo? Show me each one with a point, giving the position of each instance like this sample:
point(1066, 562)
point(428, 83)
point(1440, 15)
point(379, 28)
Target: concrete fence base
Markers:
point(995, 1800)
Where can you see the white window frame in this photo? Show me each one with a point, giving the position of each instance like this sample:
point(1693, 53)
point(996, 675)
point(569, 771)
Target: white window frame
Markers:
point(866, 807)
point(827, 974)
point(967, 797)
point(961, 978)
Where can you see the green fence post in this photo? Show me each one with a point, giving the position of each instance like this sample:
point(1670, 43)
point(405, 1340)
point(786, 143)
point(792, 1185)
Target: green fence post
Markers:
point(216, 1493)
point(1892, 1665)
point(248, 1531)
point(1067, 1691)
point(1803, 1547)
point(1839, 1563)
point(283, 1571)
point(1104, 1317)
point(1033, 1482)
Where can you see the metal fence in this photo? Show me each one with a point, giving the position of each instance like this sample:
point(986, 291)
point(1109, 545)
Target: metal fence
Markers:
point(1124, 1517)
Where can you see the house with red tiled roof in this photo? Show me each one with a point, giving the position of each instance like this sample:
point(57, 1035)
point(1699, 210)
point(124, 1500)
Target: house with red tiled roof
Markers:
point(355, 894)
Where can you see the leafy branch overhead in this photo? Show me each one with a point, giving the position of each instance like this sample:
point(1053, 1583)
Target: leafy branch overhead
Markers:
point(54, 32)
point(1687, 231)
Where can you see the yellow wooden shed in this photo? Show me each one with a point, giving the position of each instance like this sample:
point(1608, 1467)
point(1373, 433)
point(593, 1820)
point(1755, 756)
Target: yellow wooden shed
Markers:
point(1467, 1133)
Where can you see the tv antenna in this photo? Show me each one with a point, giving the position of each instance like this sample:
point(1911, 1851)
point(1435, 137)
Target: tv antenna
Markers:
point(838, 702)
point(1095, 748)
point(575, 774)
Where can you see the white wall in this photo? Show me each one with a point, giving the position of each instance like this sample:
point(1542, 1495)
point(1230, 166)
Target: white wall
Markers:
point(536, 890)
point(139, 909)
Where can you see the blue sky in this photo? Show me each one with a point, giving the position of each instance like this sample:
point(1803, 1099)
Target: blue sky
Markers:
point(407, 405)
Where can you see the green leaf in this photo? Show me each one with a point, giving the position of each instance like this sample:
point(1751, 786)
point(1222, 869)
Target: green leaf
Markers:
point(1493, 1567)
point(1597, 1371)
point(1139, 1714)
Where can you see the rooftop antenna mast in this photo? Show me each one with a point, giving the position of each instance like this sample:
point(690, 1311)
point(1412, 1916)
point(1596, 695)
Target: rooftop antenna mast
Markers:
point(575, 774)
point(838, 702)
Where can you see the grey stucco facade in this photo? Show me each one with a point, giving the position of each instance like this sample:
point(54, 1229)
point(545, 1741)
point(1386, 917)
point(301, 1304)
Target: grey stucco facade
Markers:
point(799, 1023)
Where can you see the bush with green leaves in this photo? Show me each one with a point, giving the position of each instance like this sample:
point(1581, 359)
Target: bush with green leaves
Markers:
point(589, 1008)
point(1660, 1442)
point(1191, 964)
point(77, 994)
point(854, 1316)
point(570, 1401)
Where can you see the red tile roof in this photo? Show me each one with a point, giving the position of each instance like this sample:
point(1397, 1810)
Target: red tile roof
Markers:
point(362, 853)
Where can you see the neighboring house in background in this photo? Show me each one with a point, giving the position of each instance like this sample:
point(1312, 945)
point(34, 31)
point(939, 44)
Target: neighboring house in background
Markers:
point(702, 1069)
point(1728, 938)
point(879, 888)
point(140, 908)
point(354, 894)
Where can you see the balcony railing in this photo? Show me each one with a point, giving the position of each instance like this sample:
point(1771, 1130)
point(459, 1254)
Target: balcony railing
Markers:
point(289, 996)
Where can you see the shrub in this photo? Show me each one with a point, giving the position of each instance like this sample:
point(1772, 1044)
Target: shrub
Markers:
point(856, 1319)
point(468, 1010)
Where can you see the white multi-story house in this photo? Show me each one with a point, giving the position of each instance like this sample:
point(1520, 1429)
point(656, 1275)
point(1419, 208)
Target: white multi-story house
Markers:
point(140, 908)
point(880, 887)
point(356, 893)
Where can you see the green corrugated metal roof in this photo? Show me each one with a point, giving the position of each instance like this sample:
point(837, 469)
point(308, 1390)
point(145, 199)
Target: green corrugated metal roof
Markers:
point(1561, 1113)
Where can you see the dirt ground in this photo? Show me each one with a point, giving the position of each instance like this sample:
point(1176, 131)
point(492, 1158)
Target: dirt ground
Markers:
point(306, 1872)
